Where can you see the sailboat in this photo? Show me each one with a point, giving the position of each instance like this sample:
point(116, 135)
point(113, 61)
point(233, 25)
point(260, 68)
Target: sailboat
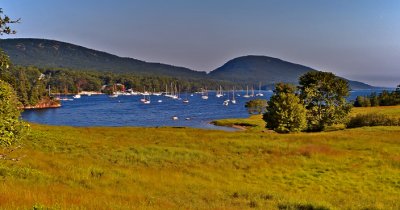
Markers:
point(233, 96)
point(226, 101)
point(219, 92)
point(259, 91)
point(175, 95)
point(147, 101)
point(247, 93)
point(186, 100)
point(144, 100)
point(204, 94)
point(78, 95)
point(156, 93)
point(252, 92)
point(144, 95)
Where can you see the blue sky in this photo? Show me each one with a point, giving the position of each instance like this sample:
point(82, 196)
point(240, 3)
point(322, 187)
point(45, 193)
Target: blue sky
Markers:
point(357, 39)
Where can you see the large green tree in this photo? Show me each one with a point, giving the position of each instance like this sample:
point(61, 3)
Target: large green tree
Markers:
point(285, 112)
point(324, 96)
point(11, 126)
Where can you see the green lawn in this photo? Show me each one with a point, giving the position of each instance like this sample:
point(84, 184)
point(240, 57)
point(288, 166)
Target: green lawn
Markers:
point(184, 168)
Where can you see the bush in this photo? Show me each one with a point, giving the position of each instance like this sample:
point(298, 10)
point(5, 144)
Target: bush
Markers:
point(301, 206)
point(11, 127)
point(373, 119)
point(256, 106)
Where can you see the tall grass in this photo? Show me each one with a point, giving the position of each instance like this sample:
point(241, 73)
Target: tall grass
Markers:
point(169, 168)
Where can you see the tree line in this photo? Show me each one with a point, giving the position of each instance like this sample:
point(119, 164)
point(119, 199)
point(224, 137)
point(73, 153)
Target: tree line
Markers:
point(32, 84)
point(386, 98)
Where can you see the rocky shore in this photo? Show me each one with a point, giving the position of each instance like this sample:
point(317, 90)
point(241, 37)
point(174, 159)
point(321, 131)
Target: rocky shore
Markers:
point(46, 104)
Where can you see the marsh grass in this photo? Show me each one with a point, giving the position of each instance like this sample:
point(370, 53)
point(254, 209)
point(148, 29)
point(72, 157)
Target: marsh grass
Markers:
point(171, 168)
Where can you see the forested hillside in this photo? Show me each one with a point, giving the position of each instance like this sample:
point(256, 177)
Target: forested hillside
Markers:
point(246, 70)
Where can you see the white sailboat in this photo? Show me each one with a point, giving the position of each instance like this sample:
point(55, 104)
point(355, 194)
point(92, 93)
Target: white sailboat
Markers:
point(144, 100)
point(175, 95)
point(247, 93)
point(219, 92)
point(204, 94)
point(259, 91)
point(77, 96)
point(144, 96)
point(226, 101)
point(233, 96)
point(156, 93)
point(186, 100)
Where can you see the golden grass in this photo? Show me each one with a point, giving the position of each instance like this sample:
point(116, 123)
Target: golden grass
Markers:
point(387, 110)
point(253, 123)
point(172, 168)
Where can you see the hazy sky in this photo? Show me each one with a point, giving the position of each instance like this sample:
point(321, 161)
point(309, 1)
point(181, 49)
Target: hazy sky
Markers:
point(357, 39)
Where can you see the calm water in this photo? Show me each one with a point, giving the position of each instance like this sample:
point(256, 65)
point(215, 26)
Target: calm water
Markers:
point(101, 110)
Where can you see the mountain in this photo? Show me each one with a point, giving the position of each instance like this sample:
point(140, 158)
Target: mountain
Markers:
point(50, 53)
point(242, 70)
point(253, 69)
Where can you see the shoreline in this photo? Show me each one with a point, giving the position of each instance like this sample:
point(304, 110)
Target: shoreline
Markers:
point(41, 107)
point(214, 128)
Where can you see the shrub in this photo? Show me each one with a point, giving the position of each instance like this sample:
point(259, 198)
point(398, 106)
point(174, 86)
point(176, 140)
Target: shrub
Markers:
point(301, 206)
point(256, 106)
point(372, 119)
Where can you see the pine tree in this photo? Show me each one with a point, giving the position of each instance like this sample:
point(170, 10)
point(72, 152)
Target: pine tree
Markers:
point(285, 113)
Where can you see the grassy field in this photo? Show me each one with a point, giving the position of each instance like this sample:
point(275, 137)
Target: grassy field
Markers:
point(387, 110)
point(184, 168)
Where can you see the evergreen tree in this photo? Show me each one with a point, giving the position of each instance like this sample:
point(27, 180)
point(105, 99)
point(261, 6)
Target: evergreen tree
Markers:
point(374, 99)
point(285, 113)
point(22, 88)
point(359, 102)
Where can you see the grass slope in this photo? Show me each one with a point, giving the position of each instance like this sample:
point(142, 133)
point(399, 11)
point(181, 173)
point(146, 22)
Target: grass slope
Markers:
point(172, 168)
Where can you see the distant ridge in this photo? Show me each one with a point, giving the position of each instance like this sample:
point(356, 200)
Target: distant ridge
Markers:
point(253, 69)
point(250, 69)
point(49, 53)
